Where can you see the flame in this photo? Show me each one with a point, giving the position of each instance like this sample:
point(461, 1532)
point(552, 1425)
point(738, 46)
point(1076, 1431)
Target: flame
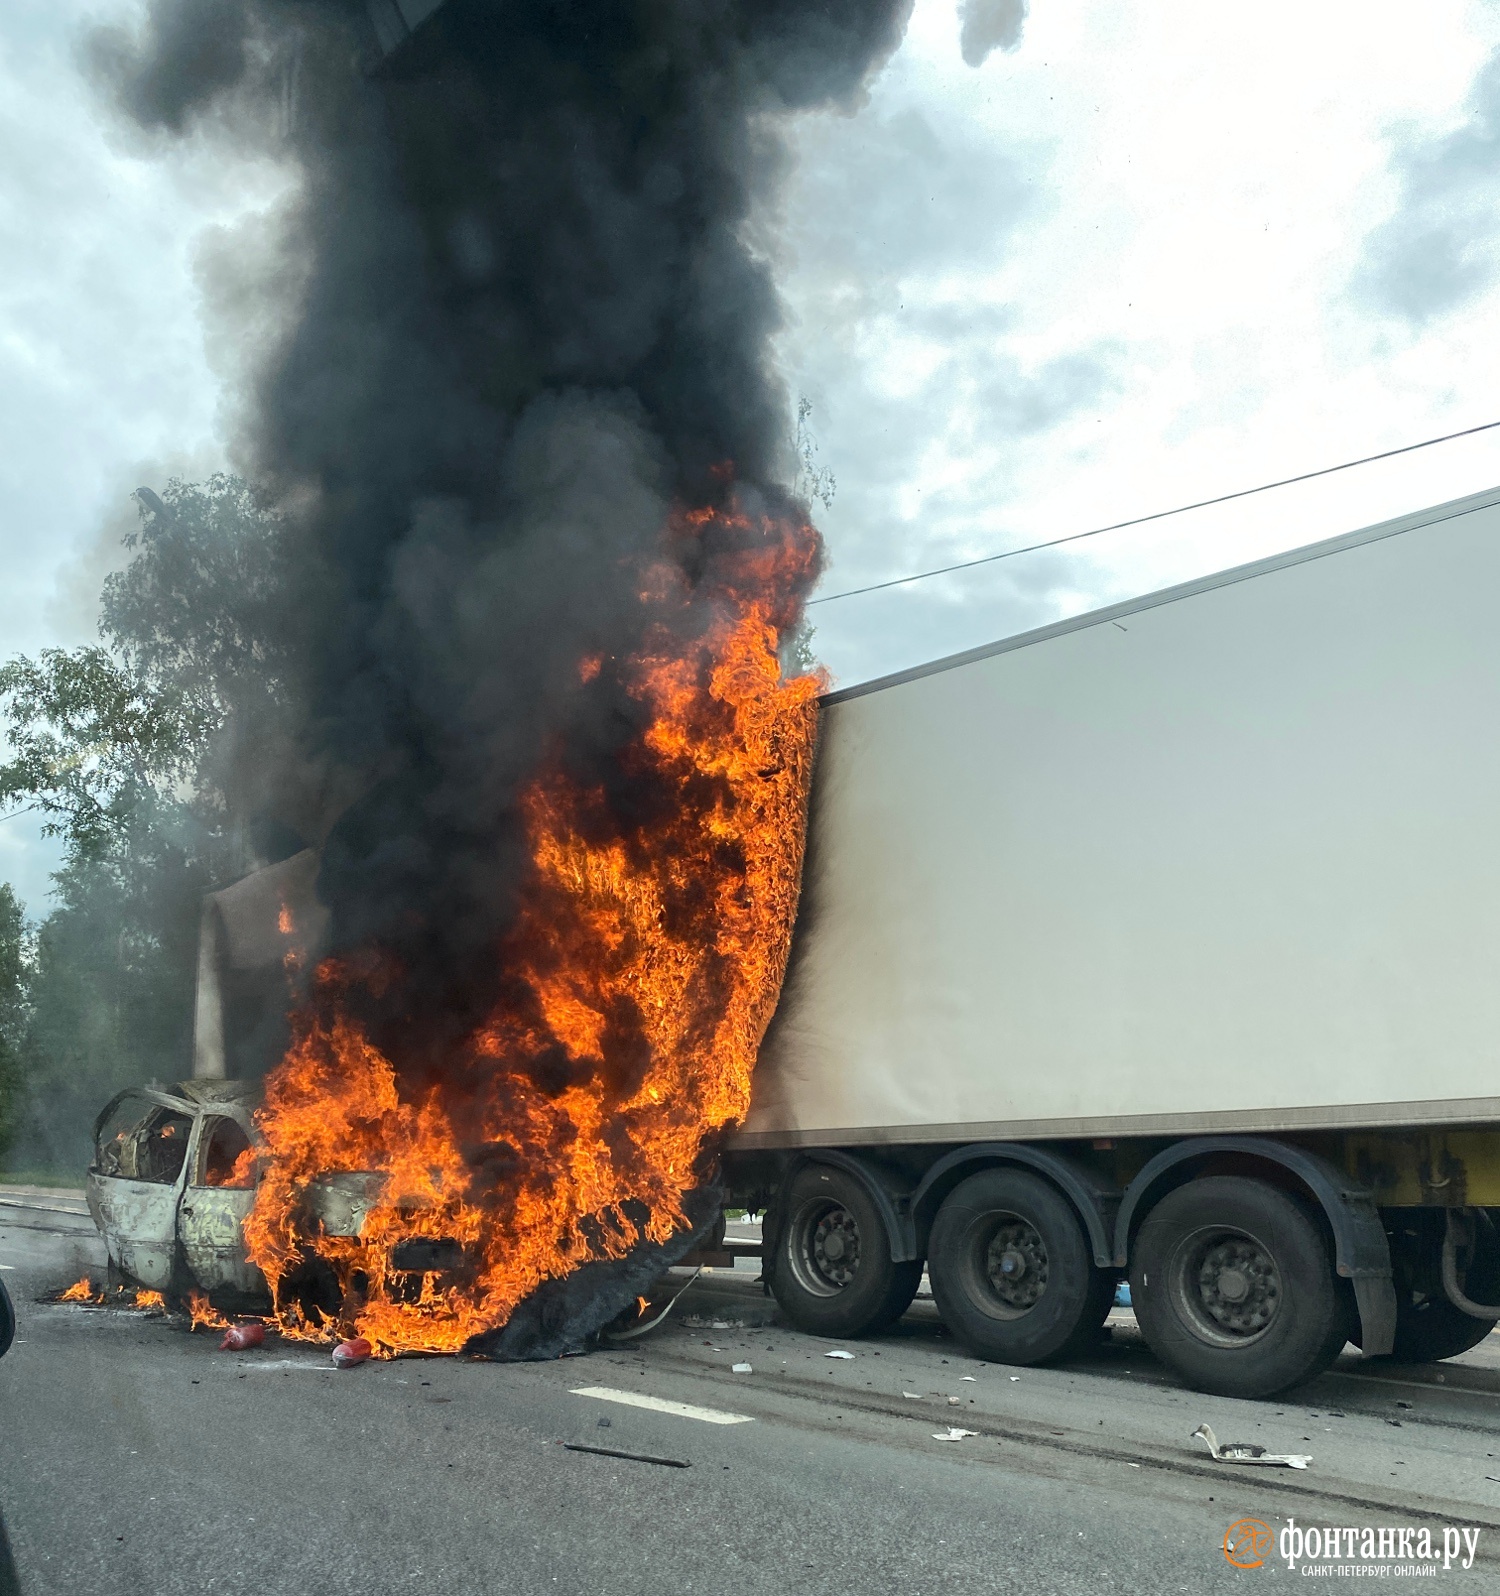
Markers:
point(631, 993)
point(150, 1301)
point(81, 1291)
point(202, 1314)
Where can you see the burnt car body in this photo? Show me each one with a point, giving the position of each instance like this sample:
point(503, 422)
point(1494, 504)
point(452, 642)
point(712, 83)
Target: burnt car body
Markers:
point(173, 1179)
point(171, 1183)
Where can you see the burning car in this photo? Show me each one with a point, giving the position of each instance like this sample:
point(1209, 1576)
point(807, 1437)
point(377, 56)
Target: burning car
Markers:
point(173, 1179)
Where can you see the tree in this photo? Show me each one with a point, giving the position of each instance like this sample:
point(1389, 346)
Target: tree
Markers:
point(14, 1006)
point(143, 754)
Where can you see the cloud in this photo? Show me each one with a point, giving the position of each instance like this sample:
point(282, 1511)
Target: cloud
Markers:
point(1439, 250)
point(989, 25)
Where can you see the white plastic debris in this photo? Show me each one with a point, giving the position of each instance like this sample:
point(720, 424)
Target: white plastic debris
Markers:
point(975, 1377)
point(1246, 1451)
point(840, 1353)
point(955, 1434)
point(743, 1368)
point(1015, 1377)
point(953, 1402)
point(916, 1396)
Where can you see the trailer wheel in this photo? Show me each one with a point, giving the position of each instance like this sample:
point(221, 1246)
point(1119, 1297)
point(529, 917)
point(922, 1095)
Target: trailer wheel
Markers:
point(1235, 1290)
point(1428, 1327)
point(1012, 1273)
point(832, 1270)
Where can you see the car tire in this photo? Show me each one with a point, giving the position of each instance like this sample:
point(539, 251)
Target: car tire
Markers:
point(1012, 1271)
point(1234, 1288)
point(831, 1267)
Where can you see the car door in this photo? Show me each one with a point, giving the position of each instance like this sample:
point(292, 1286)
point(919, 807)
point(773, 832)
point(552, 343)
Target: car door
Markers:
point(219, 1194)
point(141, 1144)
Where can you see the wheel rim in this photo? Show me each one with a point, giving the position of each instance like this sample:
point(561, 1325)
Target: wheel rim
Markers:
point(1225, 1284)
point(1004, 1265)
point(824, 1247)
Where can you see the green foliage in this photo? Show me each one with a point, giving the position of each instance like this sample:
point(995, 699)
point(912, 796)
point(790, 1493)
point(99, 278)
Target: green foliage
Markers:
point(89, 738)
point(139, 755)
point(110, 990)
point(202, 612)
point(15, 1005)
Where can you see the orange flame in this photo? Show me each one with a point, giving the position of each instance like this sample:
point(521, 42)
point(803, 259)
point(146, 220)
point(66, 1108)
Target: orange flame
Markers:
point(202, 1313)
point(150, 1301)
point(81, 1291)
point(642, 967)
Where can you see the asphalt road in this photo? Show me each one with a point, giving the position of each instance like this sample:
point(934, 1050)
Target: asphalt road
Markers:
point(136, 1458)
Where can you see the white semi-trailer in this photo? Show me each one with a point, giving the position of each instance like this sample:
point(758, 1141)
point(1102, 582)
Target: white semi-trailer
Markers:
point(1164, 940)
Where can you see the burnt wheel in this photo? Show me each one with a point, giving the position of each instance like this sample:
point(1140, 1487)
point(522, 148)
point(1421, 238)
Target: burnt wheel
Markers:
point(1234, 1288)
point(832, 1270)
point(1012, 1273)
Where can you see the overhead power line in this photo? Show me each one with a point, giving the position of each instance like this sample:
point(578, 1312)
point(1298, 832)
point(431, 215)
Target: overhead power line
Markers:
point(1158, 515)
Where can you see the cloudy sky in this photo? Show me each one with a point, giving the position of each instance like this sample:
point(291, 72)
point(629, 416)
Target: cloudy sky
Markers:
point(1134, 257)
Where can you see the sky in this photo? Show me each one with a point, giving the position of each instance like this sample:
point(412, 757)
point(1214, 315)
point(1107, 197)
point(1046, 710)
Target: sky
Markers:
point(1067, 264)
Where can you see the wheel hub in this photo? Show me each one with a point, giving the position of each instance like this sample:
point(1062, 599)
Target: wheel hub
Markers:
point(1016, 1265)
point(835, 1247)
point(1238, 1285)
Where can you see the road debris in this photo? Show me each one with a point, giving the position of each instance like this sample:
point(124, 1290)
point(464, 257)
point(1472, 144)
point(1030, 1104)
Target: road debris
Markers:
point(1246, 1451)
point(630, 1457)
point(644, 1324)
point(953, 1402)
point(240, 1336)
point(741, 1368)
point(972, 1377)
point(916, 1396)
point(348, 1353)
point(955, 1434)
point(838, 1353)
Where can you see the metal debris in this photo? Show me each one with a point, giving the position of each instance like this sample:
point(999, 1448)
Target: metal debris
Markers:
point(839, 1353)
point(240, 1336)
point(1246, 1451)
point(955, 1434)
point(347, 1353)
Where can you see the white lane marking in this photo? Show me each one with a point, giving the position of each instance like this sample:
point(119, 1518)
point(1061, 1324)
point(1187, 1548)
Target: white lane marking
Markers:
point(289, 1363)
point(683, 1410)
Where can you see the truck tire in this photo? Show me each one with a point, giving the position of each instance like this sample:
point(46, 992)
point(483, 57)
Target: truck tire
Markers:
point(831, 1270)
point(1235, 1290)
point(1430, 1331)
point(1428, 1327)
point(1012, 1273)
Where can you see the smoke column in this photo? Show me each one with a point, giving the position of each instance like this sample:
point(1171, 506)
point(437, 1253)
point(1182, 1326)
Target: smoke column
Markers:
point(521, 335)
point(522, 325)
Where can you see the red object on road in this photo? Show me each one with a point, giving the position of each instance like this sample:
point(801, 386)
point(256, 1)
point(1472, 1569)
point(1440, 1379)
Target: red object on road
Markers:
point(239, 1336)
point(347, 1353)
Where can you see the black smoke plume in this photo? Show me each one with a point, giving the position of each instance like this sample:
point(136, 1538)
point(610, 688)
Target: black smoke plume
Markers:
point(518, 323)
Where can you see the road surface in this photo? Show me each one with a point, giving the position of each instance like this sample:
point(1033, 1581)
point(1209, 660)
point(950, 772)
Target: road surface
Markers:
point(138, 1458)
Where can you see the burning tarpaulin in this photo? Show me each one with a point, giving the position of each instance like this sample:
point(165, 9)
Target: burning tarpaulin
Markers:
point(512, 388)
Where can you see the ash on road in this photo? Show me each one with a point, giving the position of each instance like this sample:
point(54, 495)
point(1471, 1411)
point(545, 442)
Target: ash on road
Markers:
point(140, 1459)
